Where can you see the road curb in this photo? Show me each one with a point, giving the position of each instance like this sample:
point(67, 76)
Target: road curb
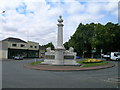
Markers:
point(67, 68)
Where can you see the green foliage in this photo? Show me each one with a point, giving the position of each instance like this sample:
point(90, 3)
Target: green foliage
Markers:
point(37, 62)
point(89, 36)
point(49, 45)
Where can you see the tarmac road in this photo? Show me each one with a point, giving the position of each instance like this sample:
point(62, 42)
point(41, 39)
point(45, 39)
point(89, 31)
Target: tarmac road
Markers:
point(14, 75)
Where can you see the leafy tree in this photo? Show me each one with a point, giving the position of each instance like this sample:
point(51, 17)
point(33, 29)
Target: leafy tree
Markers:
point(89, 36)
point(49, 45)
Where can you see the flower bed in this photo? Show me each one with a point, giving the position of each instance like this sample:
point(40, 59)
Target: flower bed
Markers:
point(92, 61)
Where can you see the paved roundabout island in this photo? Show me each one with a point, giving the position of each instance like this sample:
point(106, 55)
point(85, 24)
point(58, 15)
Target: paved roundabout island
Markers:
point(67, 67)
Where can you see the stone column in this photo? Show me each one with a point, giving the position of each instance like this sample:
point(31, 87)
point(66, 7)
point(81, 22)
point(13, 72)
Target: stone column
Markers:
point(59, 51)
point(60, 33)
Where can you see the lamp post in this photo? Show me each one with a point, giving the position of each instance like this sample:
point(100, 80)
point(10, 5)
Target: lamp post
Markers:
point(101, 53)
point(93, 51)
point(84, 49)
point(3, 12)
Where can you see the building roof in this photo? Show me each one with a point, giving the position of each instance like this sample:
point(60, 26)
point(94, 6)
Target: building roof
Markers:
point(11, 39)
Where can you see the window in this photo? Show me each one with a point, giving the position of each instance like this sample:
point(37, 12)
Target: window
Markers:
point(22, 45)
point(14, 45)
point(31, 46)
point(35, 46)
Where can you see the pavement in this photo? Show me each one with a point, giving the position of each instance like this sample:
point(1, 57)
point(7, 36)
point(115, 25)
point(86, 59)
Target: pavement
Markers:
point(66, 68)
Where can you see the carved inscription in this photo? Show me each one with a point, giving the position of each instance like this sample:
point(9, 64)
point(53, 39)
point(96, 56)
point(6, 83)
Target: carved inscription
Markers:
point(50, 57)
point(68, 57)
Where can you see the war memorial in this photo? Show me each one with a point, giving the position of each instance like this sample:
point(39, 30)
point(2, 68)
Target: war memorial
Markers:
point(61, 59)
point(60, 56)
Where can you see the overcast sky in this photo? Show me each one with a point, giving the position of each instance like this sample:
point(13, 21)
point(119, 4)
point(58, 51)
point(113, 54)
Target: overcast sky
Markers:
point(36, 20)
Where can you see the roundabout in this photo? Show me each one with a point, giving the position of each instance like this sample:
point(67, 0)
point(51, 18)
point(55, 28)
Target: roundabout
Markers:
point(31, 76)
point(82, 67)
point(61, 59)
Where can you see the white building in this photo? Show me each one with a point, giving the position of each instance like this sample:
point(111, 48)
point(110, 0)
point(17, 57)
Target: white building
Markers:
point(11, 47)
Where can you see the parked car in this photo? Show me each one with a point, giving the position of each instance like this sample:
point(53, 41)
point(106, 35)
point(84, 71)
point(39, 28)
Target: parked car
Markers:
point(18, 58)
point(78, 57)
point(112, 56)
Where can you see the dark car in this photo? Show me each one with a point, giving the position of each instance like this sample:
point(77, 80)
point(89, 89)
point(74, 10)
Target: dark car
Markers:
point(78, 57)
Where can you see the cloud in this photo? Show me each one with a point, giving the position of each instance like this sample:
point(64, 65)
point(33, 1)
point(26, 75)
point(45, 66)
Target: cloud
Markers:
point(112, 7)
point(74, 7)
point(9, 29)
point(36, 20)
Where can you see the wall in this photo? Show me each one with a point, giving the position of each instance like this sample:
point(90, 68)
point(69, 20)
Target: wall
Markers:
point(33, 44)
point(0, 50)
point(3, 50)
point(4, 45)
point(18, 45)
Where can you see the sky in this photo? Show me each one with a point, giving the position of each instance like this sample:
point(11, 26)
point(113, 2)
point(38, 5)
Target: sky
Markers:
point(36, 20)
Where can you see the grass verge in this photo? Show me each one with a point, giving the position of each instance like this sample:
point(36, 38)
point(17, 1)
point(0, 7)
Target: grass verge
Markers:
point(80, 62)
point(37, 62)
point(92, 64)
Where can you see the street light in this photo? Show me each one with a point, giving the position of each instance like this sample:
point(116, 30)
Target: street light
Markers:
point(84, 48)
point(93, 51)
point(101, 53)
point(2, 15)
point(2, 12)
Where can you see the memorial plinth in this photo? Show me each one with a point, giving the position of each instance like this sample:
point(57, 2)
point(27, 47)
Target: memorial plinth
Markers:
point(60, 56)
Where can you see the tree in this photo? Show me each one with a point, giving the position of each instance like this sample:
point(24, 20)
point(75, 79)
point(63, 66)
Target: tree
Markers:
point(49, 45)
point(89, 36)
